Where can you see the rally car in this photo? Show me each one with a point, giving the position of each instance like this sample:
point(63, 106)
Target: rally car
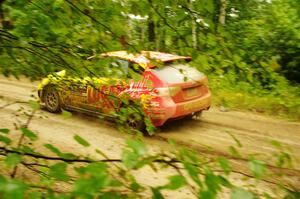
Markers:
point(168, 88)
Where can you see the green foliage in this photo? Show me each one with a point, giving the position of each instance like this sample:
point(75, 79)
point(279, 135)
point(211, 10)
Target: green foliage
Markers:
point(81, 141)
point(175, 182)
point(97, 179)
point(224, 163)
point(280, 101)
point(66, 114)
point(59, 153)
point(133, 157)
point(27, 133)
point(241, 193)
point(5, 139)
point(34, 104)
point(257, 167)
point(58, 171)
point(91, 178)
point(12, 159)
point(5, 131)
point(11, 188)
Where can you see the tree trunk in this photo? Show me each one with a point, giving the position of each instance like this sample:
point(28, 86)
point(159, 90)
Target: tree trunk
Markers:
point(1, 15)
point(151, 29)
point(158, 36)
point(194, 27)
point(222, 12)
point(151, 26)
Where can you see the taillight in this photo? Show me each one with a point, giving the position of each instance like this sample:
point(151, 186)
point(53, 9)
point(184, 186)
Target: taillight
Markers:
point(167, 91)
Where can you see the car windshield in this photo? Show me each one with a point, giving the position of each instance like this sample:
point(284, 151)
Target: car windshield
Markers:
point(178, 73)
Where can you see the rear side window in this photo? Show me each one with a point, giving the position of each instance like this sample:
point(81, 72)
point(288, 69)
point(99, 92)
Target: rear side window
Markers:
point(178, 73)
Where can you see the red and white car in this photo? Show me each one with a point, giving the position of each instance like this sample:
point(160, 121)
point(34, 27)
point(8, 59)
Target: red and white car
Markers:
point(167, 87)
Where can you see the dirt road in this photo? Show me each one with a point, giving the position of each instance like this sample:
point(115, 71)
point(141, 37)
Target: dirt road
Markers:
point(212, 134)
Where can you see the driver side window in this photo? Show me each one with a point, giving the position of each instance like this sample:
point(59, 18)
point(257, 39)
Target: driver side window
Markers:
point(127, 69)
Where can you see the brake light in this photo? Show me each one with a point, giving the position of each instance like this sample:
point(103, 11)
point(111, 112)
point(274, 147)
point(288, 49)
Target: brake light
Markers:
point(167, 91)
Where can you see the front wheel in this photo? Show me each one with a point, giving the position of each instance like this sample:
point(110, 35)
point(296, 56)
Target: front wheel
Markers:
point(52, 100)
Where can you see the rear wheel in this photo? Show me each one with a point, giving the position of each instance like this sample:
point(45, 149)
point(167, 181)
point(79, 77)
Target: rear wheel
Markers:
point(52, 100)
point(135, 121)
point(131, 116)
point(195, 115)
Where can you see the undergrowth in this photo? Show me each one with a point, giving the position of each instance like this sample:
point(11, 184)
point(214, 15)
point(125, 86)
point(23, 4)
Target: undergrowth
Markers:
point(280, 100)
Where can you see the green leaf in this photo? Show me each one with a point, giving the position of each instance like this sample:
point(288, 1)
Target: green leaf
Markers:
point(27, 149)
point(135, 186)
point(283, 158)
point(31, 135)
point(212, 182)
point(5, 131)
point(34, 104)
point(5, 139)
point(130, 159)
point(13, 189)
point(209, 6)
point(175, 182)
point(81, 141)
point(69, 156)
point(234, 152)
point(276, 144)
point(2, 180)
point(66, 114)
point(58, 171)
point(193, 172)
point(239, 144)
point(172, 142)
point(95, 180)
point(137, 146)
point(110, 195)
point(53, 149)
point(224, 165)
point(257, 167)
point(239, 193)
point(225, 182)
point(12, 160)
point(35, 195)
point(96, 169)
point(136, 77)
point(207, 194)
point(156, 193)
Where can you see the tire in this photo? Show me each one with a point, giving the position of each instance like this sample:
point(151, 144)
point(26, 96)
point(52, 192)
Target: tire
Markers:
point(135, 121)
point(195, 115)
point(52, 100)
point(133, 117)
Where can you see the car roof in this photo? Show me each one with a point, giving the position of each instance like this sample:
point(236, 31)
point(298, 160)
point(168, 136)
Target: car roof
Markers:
point(143, 58)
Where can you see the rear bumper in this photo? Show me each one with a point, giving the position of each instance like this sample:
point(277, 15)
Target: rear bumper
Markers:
point(170, 110)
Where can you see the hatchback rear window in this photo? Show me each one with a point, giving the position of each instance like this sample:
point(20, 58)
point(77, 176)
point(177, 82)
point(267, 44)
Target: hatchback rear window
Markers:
point(178, 73)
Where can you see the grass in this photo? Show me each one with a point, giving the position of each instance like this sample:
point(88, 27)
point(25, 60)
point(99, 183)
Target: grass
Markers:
point(283, 100)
